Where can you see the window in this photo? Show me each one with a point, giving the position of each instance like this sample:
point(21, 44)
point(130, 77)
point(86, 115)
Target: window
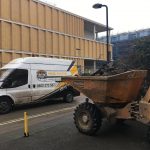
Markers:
point(18, 77)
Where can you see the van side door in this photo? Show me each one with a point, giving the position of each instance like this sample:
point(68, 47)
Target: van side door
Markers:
point(17, 86)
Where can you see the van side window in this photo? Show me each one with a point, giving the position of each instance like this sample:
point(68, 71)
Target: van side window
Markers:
point(18, 77)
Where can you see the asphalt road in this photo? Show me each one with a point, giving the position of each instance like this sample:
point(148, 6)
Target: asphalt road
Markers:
point(51, 128)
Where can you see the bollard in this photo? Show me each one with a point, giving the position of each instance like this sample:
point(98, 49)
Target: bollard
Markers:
point(26, 129)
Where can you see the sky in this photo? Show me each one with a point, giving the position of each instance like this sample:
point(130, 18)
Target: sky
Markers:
point(124, 15)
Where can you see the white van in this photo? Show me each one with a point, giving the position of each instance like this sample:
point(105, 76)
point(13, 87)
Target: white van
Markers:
point(34, 79)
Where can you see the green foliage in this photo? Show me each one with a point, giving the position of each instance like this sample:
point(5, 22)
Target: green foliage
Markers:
point(140, 56)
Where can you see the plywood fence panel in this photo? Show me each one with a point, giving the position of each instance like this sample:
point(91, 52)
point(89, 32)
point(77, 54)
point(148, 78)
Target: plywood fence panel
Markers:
point(34, 40)
point(5, 9)
point(49, 43)
point(48, 17)
point(16, 37)
point(61, 45)
point(61, 22)
point(15, 10)
point(6, 34)
point(25, 12)
point(25, 39)
point(33, 13)
point(55, 44)
point(41, 16)
point(67, 46)
point(41, 41)
point(55, 19)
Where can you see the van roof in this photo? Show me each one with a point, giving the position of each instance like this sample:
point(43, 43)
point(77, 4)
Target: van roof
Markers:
point(40, 60)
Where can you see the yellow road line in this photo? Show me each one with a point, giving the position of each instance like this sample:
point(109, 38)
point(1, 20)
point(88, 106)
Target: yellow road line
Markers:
point(36, 116)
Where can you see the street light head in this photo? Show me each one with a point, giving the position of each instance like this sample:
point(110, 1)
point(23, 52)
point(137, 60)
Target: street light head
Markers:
point(96, 6)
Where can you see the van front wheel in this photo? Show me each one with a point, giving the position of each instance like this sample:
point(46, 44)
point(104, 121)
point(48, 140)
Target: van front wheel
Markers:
point(68, 98)
point(5, 106)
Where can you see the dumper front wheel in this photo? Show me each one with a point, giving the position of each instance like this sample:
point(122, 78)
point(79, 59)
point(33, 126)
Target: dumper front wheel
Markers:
point(87, 118)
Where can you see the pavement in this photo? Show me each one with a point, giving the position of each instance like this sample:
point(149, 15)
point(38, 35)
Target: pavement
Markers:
point(55, 131)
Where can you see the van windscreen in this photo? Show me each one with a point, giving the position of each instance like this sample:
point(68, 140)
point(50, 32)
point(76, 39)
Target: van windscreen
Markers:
point(4, 73)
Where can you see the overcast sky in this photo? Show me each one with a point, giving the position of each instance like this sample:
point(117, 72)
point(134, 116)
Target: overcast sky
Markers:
point(124, 15)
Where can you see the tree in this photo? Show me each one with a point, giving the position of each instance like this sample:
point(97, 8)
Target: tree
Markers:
point(140, 56)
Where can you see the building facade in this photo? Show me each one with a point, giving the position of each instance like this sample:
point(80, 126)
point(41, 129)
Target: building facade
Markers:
point(31, 28)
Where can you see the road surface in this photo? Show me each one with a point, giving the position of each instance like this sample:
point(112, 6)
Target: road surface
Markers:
point(51, 128)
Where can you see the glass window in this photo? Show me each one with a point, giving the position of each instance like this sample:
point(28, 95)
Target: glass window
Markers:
point(4, 73)
point(18, 77)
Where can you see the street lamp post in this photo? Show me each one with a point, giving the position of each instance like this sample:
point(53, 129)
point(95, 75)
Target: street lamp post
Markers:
point(97, 6)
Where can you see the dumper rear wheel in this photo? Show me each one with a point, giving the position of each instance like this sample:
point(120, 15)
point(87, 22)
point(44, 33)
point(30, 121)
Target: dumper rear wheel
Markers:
point(87, 118)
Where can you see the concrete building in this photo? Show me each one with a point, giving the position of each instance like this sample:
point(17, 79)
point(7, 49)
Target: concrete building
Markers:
point(33, 28)
point(127, 36)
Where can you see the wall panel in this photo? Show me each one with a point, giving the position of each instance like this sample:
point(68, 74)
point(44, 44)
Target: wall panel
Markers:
point(105, 52)
point(6, 57)
point(15, 10)
point(33, 13)
point(61, 22)
point(55, 19)
point(16, 37)
point(41, 16)
point(25, 39)
point(67, 46)
point(98, 51)
point(26, 55)
point(94, 49)
point(62, 45)
point(34, 40)
point(49, 43)
point(90, 49)
point(25, 14)
point(41, 41)
point(5, 9)
point(86, 48)
point(55, 44)
point(72, 46)
point(16, 55)
point(48, 17)
point(82, 47)
point(6, 34)
point(1, 60)
point(71, 24)
point(0, 34)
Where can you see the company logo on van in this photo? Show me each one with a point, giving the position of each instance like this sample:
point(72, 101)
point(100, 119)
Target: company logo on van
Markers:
point(41, 74)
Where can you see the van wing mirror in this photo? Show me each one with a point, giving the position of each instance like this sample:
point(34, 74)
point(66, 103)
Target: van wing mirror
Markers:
point(7, 82)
